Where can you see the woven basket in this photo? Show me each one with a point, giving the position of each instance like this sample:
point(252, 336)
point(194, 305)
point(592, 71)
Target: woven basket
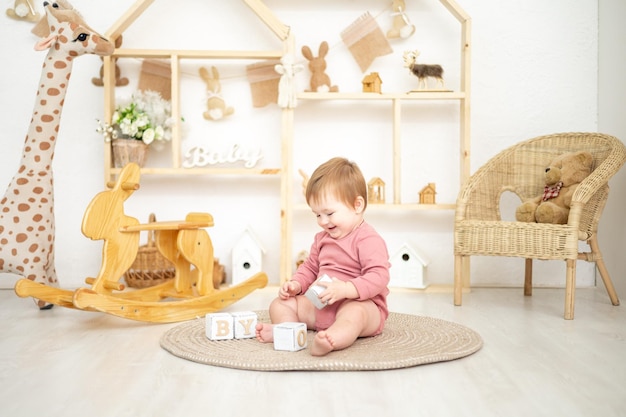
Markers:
point(150, 267)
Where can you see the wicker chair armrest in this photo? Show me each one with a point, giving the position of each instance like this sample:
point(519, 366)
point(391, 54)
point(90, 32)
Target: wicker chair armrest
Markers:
point(600, 176)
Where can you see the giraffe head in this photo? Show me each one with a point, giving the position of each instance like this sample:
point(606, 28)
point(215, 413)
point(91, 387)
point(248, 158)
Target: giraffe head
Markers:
point(64, 28)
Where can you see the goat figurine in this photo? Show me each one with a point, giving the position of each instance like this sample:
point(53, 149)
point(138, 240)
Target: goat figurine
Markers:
point(422, 72)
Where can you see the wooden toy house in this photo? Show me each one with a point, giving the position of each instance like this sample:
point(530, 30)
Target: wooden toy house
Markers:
point(427, 194)
point(407, 268)
point(372, 83)
point(247, 256)
point(376, 191)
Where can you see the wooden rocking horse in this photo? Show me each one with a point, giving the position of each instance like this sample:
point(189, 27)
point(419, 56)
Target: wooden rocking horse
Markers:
point(185, 243)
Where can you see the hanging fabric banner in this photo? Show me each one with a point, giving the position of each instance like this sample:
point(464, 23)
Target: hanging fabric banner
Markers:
point(264, 81)
point(366, 41)
point(156, 75)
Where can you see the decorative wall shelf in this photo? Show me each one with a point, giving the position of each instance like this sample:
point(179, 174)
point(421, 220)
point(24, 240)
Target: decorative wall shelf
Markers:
point(286, 171)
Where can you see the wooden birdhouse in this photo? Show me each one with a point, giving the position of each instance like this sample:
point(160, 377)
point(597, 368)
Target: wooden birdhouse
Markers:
point(427, 194)
point(372, 83)
point(376, 191)
point(407, 268)
point(247, 257)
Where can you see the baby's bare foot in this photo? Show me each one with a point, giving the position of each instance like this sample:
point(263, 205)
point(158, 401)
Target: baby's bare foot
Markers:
point(322, 344)
point(264, 332)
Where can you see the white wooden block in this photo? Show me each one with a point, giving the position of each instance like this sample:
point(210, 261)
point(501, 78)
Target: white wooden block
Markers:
point(219, 326)
point(315, 290)
point(245, 324)
point(290, 336)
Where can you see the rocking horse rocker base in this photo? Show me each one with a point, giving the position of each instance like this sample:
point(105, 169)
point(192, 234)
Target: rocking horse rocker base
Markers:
point(184, 243)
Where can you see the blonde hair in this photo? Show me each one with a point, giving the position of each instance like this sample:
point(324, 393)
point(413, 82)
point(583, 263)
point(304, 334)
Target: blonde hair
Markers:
point(340, 178)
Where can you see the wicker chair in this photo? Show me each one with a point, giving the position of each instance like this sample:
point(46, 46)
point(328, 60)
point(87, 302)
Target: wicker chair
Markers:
point(479, 230)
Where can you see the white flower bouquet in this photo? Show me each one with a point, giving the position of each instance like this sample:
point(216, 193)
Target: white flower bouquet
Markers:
point(146, 116)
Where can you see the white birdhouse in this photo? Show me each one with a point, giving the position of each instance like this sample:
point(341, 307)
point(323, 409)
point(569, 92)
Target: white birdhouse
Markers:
point(247, 257)
point(407, 268)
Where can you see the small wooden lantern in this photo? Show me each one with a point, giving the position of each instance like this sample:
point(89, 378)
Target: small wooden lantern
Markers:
point(376, 191)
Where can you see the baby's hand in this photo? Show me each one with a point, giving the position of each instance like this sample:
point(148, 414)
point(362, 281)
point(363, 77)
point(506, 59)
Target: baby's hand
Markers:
point(289, 289)
point(335, 291)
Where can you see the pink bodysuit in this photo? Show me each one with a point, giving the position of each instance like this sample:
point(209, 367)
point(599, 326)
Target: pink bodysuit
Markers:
point(360, 257)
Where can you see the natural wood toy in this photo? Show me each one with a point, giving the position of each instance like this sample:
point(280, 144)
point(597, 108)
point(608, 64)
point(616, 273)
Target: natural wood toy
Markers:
point(372, 83)
point(421, 71)
point(402, 27)
point(216, 106)
point(27, 209)
point(185, 243)
point(320, 81)
point(428, 193)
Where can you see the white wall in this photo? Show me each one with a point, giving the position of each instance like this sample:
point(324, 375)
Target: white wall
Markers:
point(534, 71)
point(612, 88)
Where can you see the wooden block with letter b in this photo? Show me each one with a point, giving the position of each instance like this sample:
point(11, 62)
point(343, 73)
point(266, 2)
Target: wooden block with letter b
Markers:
point(219, 326)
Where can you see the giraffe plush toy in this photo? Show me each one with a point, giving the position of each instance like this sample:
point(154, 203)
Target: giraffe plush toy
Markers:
point(27, 208)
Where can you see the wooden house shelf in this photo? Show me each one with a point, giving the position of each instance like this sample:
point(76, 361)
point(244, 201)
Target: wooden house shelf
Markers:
point(286, 172)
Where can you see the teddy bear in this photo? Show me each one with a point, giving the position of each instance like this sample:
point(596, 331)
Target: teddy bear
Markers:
point(562, 177)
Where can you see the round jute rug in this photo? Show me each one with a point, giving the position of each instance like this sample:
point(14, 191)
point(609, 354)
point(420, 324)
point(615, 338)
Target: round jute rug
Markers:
point(406, 341)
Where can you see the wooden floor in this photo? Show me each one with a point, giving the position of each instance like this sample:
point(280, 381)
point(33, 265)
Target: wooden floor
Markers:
point(533, 363)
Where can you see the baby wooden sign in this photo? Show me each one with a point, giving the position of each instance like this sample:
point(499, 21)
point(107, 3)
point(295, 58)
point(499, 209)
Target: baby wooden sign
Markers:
point(198, 156)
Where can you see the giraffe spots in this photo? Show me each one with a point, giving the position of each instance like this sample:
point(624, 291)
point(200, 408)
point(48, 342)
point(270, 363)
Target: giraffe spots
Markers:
point(21, 237)
point(60, 65)
point(44, 146)
point(38, 190)
point(52, 91)
point(22, 181)
point(33, 248)
point(38, 129)
point(37, 218)
point(16, 219)
point(46, 118)
point(23, 207)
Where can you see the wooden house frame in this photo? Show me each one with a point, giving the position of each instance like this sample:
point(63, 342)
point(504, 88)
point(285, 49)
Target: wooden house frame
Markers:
point(285, 171)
